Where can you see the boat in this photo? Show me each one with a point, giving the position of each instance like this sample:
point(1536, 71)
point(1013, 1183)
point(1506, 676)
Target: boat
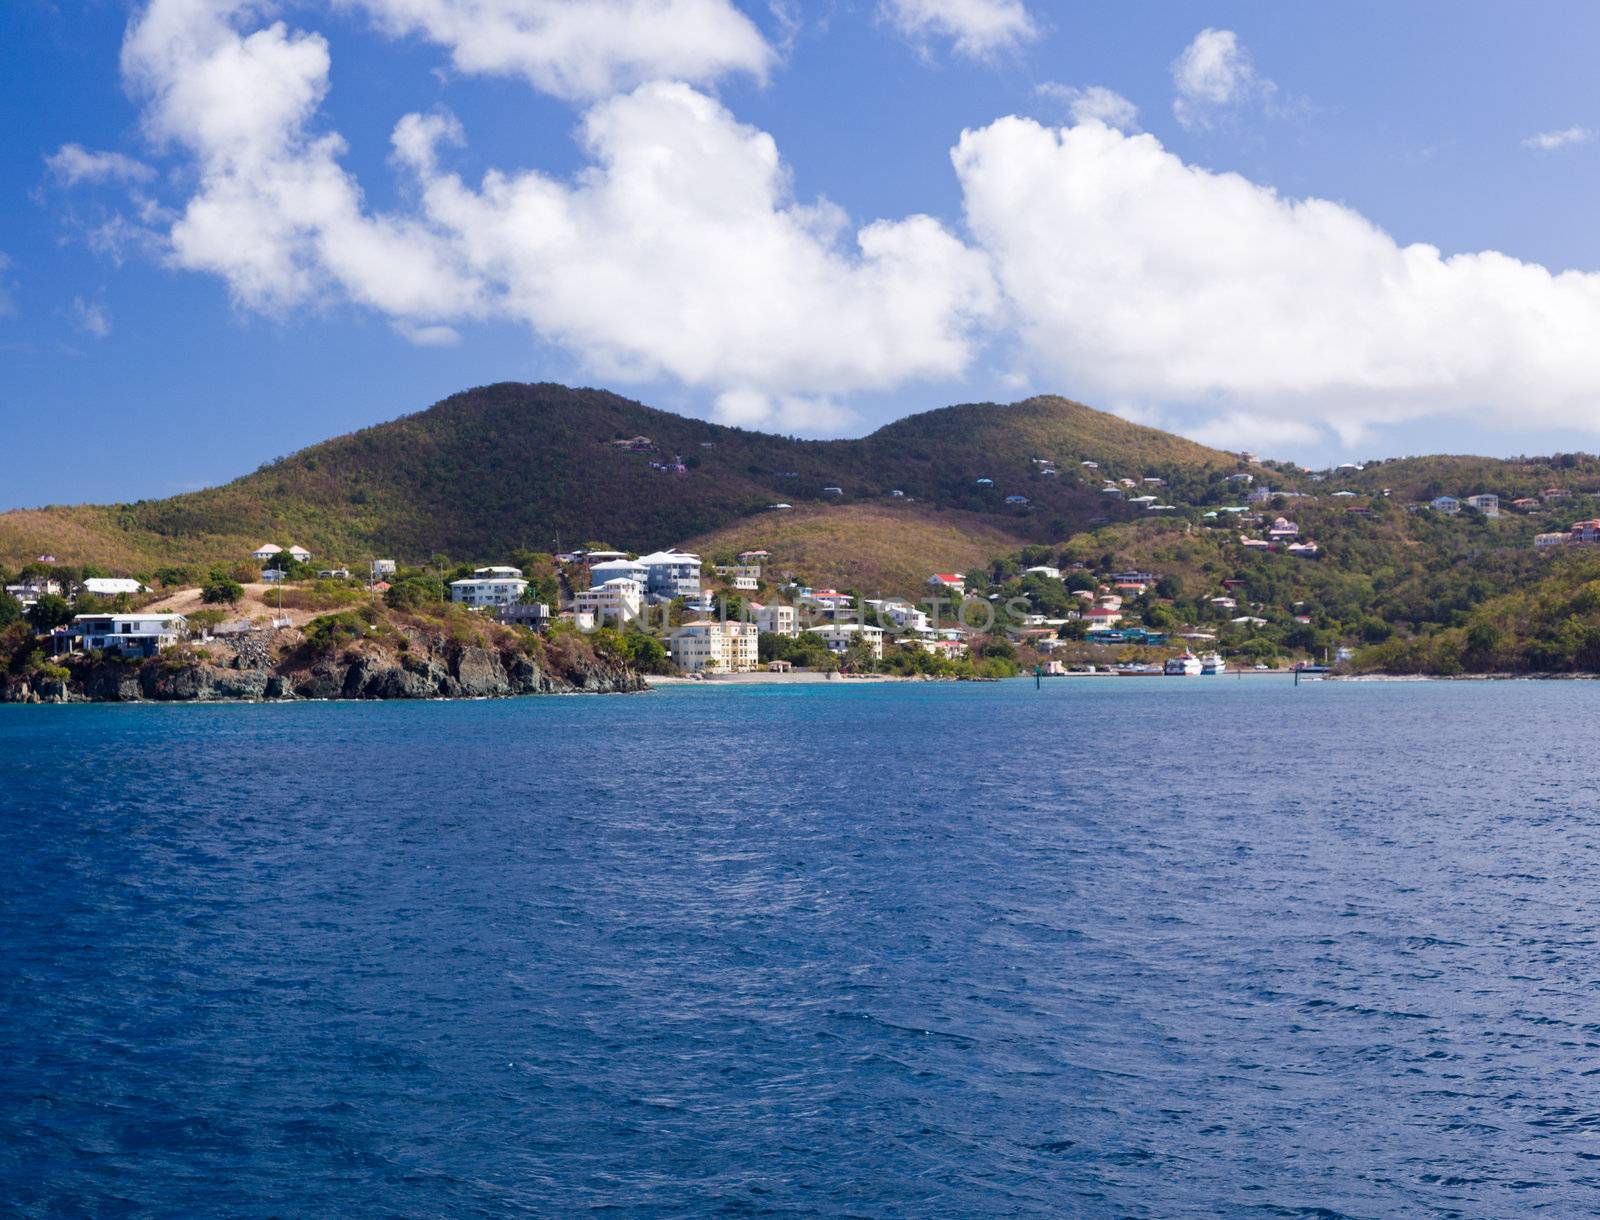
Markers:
point(1187, 665)
point(1212, 664)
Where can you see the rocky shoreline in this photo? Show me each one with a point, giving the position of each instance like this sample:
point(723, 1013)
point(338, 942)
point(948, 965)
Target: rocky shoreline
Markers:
point(423, 668)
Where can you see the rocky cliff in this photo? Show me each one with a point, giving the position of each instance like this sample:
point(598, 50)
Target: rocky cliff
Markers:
point(410, 664)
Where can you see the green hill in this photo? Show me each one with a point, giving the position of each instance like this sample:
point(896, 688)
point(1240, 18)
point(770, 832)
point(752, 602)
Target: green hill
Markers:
point(521, 466)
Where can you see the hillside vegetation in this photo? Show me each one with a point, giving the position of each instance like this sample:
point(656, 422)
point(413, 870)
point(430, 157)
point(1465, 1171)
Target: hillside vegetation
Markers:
point(874, 549)
point(527, 466)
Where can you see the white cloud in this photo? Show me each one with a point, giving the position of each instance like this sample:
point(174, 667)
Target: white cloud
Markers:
point(1145, 283)
point(92, 317)
point(428, 336)
point(784, 413)
point(8, 297)
point(977, 28)
point(1549, 141)
point(584, 49)
point(681, 253)
point(1213, 76)
point(73, 163)
point(1092, 103)
point(678, 253)
point(275, 214)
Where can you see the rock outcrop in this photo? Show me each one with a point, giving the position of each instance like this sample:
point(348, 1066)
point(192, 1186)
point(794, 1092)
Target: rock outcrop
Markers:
point(418, 668)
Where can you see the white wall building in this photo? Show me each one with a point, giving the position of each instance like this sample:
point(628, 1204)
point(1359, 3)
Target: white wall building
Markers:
point(616, 601)
point(264, 553)
point(839, 636)
point(489, 587)
point(743, 576)
point(718, 647)
point(670, 574)
point(777, 619)
point(1488, 504)
point(619, 569)
point(127, 635)
point(902, 614)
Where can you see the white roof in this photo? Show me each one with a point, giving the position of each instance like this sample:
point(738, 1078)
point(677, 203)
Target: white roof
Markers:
point(666, 557)
point(112, 584)
point(268, 549)
point(298, 550)
point(132, 616)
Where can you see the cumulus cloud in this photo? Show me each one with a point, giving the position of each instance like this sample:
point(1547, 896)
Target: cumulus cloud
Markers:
point(1149, 284)
point(1549, 141)
point(72, 164)
point(1092, 103)
point(275, 214)
point(1213, 77)
point(584, 49)
point(679, 252)
point(976, 28)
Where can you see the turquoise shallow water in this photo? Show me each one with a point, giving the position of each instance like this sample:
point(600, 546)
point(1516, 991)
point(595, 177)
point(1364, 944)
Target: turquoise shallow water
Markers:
point(1107, 948)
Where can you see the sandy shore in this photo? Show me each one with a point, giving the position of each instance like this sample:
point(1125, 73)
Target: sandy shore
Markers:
point(763, 678)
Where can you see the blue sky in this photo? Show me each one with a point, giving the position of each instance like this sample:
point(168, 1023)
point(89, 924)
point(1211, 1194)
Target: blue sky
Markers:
point(759, 212)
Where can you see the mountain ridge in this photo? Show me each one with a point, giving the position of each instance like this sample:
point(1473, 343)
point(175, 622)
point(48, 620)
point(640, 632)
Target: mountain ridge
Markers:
point(513, 465)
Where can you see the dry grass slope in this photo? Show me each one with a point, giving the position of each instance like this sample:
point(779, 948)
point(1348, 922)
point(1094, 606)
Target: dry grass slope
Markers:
point(875, 549)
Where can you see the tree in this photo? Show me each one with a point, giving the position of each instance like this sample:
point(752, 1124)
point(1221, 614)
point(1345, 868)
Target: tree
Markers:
point(10, 610)
point(221, 588)
point(49, 612)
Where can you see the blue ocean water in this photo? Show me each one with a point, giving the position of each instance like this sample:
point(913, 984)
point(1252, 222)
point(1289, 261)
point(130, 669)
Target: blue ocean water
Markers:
point(1112, 947)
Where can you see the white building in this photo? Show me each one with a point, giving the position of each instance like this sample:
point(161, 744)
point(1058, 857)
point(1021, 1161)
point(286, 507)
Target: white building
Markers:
point(621, 568)
point(264, 553)
point(777, 619)
point(383, 569)
point(1448, 505)
point(670, 574)
point(717, 647)
point(111, 586)
point(299, 554)
point(1043, 569)
point(616, 601)
point(30, 591)
point(950, 582)
point(903, 615)
point(489, 587)
point(743, 576)
point(839, 636)
point(1488, 504)
point(127, 635)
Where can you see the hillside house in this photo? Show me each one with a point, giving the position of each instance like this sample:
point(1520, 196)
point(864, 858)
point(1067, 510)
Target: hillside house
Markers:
point(494, 586)
point(776, 619)
point(1043, 569)
point(742, 576)
point(1584, 532)
point(1543, 542)
point(1448, 505)
point(1485, 502)
point(617, 601)
point(839, 636)
point(266, 552)
point(299, 554)
point(618, 569)
point(112, 586)
point(670, 574)
point(126, 635)
point(533, 615)
point(949, 582)
point(1282, 527)
point(1554, 495)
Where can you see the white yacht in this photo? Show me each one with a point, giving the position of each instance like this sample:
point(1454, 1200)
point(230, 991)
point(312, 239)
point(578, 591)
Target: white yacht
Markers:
point(1184, 666)
point(1212, 663)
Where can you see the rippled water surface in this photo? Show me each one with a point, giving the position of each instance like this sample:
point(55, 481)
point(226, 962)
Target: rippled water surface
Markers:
point(1109, 948)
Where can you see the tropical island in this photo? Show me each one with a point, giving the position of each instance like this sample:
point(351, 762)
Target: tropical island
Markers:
point(425, 558)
